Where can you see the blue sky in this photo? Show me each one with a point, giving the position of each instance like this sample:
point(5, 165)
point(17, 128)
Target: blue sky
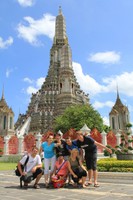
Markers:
point(100, 34)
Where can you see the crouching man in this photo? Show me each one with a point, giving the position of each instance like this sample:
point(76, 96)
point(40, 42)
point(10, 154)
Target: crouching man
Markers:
point(32, 168)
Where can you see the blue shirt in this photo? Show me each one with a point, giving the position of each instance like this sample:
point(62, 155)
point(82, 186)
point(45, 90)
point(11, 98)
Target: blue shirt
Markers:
point(48, 149)
point(73, 146)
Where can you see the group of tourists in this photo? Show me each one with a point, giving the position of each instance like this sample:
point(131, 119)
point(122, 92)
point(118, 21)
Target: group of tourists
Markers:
point(65, 161)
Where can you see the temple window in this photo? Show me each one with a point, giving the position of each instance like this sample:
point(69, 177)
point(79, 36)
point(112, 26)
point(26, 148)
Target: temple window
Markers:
point(4, 125)
point(113, 123)
point(119, 123)
point(10, 122)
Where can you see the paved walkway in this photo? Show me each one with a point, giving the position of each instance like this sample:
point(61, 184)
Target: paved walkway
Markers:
point(115, 190)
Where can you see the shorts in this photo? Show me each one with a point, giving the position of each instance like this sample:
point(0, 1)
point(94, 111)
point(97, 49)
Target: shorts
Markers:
point(91, 161)
point(37, 172)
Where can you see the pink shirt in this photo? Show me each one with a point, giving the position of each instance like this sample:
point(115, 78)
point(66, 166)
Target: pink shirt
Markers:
point(64, 169)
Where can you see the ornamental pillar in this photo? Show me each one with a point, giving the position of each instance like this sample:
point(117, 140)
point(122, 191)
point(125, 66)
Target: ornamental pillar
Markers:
point(104, 138)
point(6, 145)
point(38, 140)
point(20, 145)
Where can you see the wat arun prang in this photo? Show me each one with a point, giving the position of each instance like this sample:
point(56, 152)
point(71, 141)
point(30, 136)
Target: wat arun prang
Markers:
point(60, 88)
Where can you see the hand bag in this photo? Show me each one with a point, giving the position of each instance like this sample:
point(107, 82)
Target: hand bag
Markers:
point(27, 178)
point(17, 172)
point(57, 182)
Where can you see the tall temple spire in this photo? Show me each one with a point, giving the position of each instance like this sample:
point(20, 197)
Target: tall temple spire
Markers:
point(118, 100)
point(117, 93)
point(60, 28)
point(60, 10)
point(3, 93)
point(60, 88)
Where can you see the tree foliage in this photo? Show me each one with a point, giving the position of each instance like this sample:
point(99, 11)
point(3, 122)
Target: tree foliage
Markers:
point(78, 115)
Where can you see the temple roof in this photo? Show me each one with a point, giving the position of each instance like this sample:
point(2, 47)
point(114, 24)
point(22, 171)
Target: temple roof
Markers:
point(118, 107)
point(4, 108)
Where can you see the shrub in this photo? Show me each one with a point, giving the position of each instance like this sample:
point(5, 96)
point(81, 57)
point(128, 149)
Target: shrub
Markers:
point(114, 165)
point(106, 153)
point(126, 141)
point(10, 158)
point(1, 152)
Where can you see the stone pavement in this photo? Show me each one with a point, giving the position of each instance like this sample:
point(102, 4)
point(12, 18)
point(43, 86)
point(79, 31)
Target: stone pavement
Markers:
point(112, 187)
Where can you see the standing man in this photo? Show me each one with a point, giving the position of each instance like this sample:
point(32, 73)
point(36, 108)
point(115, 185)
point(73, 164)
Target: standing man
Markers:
point(90, 147)
point(32, 168)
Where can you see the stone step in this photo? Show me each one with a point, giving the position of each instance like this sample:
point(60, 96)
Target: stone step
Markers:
point(116, 177)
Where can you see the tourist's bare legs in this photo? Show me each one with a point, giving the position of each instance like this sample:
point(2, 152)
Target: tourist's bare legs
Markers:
point(95, 176)
point(83, 181)
point(90, 174)
point(46, 179)
point(38, 178)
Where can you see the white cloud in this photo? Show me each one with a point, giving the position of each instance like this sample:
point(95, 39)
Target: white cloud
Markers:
point(98, 104)
point(26, 3)
point(8, 72)
point(35, 28)
point(124, 82)
point(28, 80)
point(109, 57)
point(40, 81)
point(106, 121)
point(31, 90)
point(87, 83)
point(6, 43)
point(109, 85)
point(91, 86)
point(35, 85)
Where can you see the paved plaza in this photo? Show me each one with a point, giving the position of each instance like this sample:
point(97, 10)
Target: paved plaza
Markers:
point(119, 188)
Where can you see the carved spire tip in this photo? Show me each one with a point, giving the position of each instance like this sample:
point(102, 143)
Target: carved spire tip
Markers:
point(2, 93)
point(60, 10)
point(117, 92)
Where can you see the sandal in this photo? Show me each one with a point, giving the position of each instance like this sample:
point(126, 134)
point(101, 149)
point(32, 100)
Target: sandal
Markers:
point(87, 184)
point(96, 185)
point(36, 186)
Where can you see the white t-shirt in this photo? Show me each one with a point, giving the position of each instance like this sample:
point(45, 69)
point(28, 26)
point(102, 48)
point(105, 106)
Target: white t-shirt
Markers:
point(32, 162)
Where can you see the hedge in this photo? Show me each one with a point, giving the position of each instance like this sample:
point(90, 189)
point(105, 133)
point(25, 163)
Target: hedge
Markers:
point(114, 165)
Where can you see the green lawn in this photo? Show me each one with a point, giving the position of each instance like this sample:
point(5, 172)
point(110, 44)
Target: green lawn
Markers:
point(7, 166)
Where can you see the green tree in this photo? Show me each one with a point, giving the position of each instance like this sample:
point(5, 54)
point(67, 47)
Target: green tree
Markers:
point(106, 128)
point(78, 115)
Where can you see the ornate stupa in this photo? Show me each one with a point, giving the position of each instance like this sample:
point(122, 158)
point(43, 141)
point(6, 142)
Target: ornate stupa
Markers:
point(119, 116)
point(60, 88)
point(6, 118)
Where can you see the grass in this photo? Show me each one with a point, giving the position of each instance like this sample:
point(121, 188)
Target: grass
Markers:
point(7, 166)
